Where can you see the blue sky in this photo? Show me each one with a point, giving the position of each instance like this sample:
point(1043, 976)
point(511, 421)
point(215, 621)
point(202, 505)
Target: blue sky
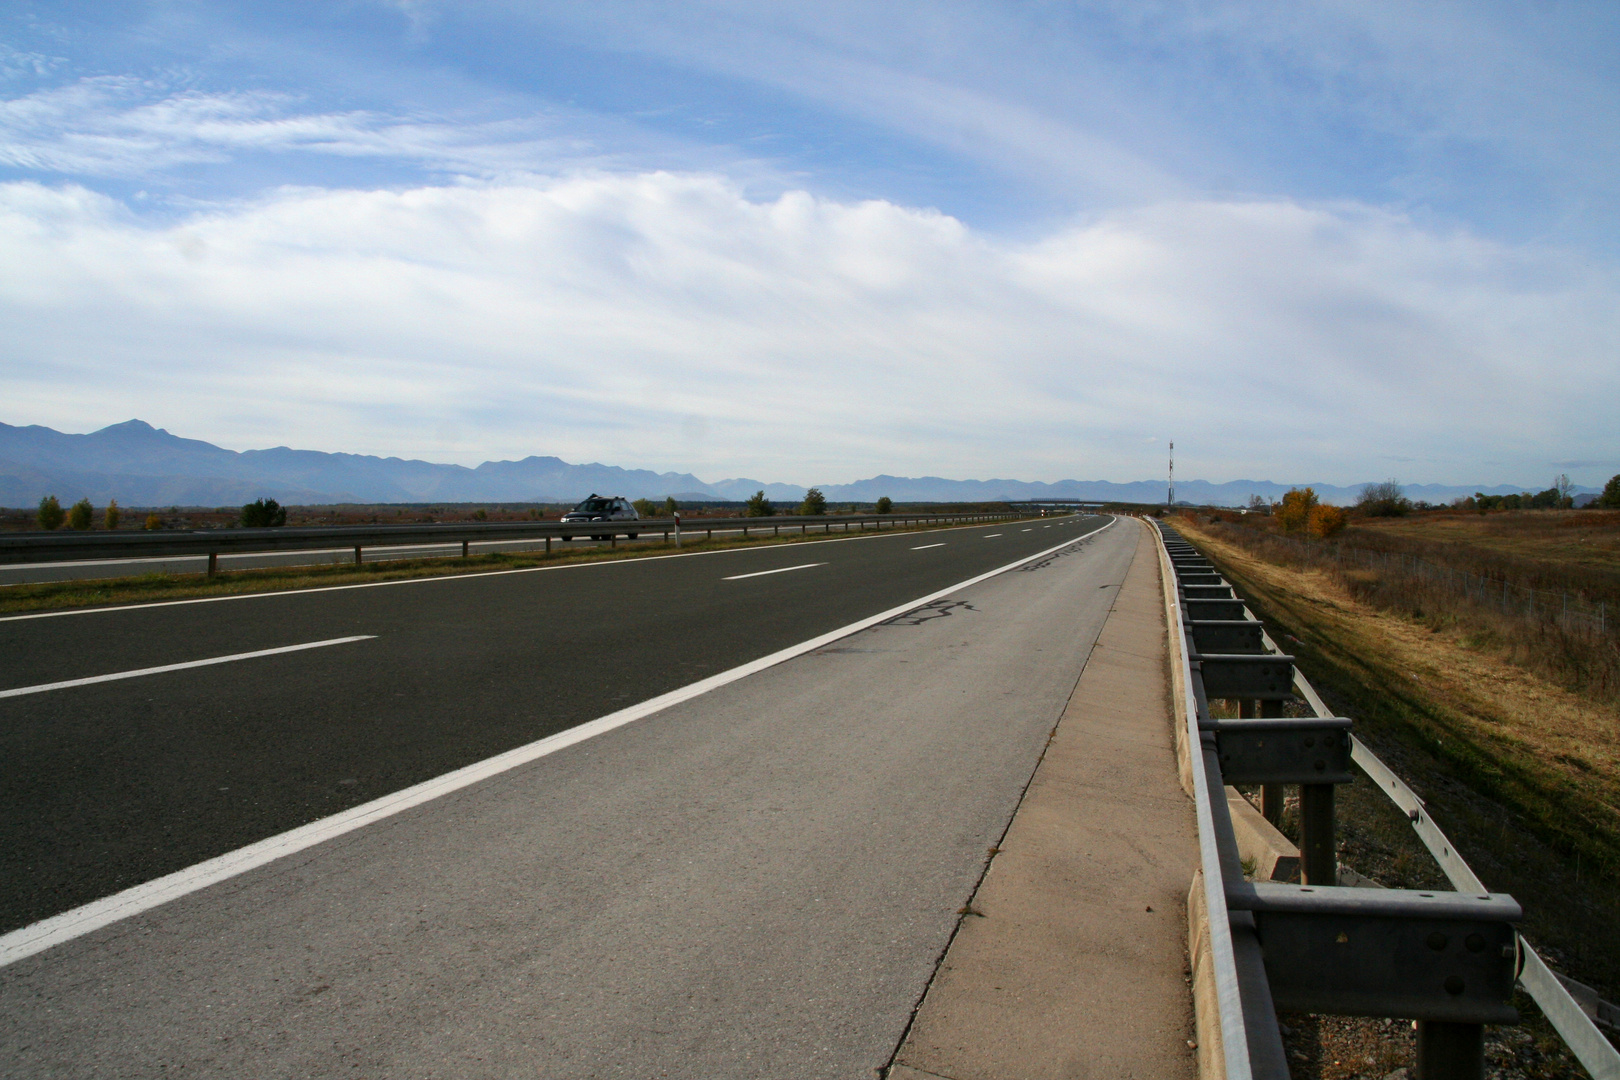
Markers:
point(815, 242)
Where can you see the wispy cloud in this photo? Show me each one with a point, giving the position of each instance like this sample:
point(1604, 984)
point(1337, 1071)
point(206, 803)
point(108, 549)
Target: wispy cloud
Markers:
point(117, 126)
point(668, 320)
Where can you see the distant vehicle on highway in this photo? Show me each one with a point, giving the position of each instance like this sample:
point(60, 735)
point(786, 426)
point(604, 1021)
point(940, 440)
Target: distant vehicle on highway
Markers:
point(602, 508)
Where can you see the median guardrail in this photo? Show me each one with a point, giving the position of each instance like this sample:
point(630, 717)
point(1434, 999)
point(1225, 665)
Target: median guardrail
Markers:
point(1448, 960)
point(36, 547)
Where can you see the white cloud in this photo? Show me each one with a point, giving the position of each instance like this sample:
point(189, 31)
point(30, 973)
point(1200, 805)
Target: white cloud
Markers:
point(668, 321)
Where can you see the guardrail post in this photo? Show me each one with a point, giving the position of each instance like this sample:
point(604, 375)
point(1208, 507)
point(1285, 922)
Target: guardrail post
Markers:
point(548, 545)
point(466, 546)
point(357, 554)
point(213, 563)
point(677, 530)
point(1318, 861)
point(1450, 1051)
point(1272, 795)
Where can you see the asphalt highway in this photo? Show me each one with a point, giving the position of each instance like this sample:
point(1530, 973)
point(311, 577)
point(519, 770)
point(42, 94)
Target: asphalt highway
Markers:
point(112, 782)
point(757, 881)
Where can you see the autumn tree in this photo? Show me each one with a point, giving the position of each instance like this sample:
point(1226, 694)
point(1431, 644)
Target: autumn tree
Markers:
point(1293, 516)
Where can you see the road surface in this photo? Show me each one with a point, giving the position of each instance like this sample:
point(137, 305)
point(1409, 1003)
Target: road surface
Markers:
point(757, 881)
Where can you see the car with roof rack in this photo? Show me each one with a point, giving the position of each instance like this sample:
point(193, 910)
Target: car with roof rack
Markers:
point(601, 508)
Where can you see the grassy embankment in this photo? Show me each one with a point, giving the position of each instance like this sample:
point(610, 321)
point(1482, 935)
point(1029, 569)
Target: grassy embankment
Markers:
point(148, 588)
point(1517, 761)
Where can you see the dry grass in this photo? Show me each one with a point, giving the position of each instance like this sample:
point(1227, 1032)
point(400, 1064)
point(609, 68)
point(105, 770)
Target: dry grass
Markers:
point(1523, 772)
point(1578, 550)
point(1556, 637)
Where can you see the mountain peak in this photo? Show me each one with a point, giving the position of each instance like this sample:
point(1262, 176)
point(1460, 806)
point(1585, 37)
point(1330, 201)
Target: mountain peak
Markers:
point(134, 427)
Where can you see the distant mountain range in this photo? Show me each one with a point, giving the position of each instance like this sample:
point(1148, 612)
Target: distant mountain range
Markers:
point(140, 465)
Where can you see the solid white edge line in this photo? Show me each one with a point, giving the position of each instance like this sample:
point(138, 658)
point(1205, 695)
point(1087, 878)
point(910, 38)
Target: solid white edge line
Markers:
point(138, 672)
point(925, 547)
point(37, 937)
point(876, 535)
point(778, 570)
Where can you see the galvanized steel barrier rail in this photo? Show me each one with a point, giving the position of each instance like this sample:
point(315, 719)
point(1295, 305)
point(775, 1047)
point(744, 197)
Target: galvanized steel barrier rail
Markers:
point(1450, 961)
point(62, 547)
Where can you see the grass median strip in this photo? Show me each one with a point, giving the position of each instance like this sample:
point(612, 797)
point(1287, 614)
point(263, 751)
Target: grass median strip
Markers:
point(61, 596)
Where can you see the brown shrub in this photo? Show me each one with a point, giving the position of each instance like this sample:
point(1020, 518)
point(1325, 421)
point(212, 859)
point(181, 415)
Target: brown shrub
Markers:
point(1325, 521)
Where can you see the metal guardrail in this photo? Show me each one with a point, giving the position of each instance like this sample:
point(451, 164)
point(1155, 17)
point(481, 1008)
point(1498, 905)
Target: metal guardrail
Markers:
point(1448, 960)
point(62, 547)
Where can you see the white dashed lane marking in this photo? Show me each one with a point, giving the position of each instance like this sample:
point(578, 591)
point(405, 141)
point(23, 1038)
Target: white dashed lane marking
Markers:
point(138, 672)
point(778, 570)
